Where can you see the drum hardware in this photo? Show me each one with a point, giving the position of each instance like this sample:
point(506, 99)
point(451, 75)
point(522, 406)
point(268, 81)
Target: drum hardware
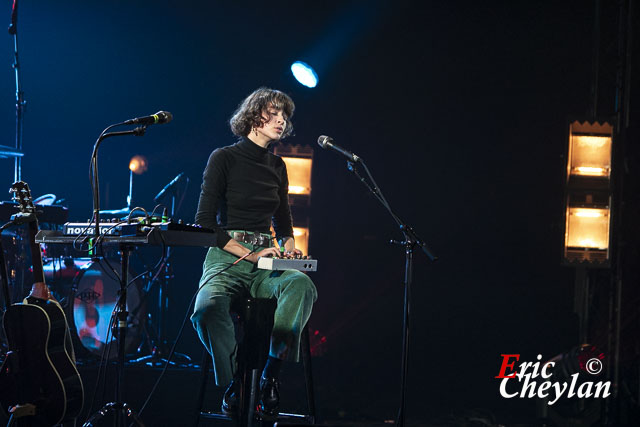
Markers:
point(9, 152)
point(160, 347)
point(156, 334)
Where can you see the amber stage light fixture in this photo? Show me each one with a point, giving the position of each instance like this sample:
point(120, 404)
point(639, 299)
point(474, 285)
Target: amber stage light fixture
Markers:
point(299, 171)
point(588, 194)
point(589, 150)
point(299, 162)
point(588, 228)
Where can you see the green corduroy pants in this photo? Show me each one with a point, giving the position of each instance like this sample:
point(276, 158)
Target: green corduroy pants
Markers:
point(294, 291)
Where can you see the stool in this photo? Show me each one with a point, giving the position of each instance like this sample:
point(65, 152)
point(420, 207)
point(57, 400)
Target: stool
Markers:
point(255, 321)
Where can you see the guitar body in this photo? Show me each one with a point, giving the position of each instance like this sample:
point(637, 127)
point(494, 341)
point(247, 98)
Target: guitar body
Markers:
point(39, 370)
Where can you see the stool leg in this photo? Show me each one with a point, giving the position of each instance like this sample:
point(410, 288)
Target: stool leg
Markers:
point(247, 398)
point(253, 396)
point(308, 375)
point(204, 374)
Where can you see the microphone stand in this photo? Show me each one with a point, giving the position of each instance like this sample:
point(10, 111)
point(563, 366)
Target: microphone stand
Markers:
point(411, 239)
point(122, 410)
point(20, 102)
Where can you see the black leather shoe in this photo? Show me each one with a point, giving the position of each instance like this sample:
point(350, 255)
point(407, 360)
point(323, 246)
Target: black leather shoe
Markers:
point(230, 399)
point(269, 396)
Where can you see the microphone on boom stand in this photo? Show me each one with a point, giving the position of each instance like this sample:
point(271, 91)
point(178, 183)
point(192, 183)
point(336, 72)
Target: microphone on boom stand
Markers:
point(161, 117)
point(327, 142)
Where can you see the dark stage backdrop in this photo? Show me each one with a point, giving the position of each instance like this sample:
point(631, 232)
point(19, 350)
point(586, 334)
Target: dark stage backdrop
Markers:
point(459, 109)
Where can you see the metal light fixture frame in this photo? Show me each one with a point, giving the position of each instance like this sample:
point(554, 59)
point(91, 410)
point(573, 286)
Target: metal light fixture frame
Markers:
point(588, 207)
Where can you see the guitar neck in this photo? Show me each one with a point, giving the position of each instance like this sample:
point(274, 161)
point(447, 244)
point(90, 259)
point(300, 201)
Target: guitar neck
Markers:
point(36, 254)
point(39, 289)
point(28, 215)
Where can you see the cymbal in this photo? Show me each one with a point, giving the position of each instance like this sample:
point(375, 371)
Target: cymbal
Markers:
point(8, 233)
point(123, 211)
point(9, 152)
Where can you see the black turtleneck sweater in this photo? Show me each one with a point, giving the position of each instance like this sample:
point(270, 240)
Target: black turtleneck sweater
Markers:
point(244, 187)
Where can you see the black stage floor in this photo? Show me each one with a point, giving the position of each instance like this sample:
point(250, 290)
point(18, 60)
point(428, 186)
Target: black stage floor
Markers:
point(174, 401)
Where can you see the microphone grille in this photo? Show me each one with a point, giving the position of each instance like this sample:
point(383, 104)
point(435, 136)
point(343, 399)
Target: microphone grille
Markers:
point(164, 117)
point(323, 140)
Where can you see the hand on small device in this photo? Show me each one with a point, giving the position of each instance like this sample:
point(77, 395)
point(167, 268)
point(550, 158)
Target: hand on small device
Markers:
point(295, 253)
point(266, 252)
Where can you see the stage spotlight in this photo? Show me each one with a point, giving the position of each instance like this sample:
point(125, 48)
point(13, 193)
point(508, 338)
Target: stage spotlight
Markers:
point(304, 74)
point(138, 164)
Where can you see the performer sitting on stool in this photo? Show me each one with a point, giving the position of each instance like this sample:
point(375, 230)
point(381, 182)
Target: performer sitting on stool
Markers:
point(248, 187)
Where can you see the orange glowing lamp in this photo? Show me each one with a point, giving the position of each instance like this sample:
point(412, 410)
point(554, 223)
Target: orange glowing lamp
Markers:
point(590, 150)
point(587, 228)
point(299, 171)
point(138, 164)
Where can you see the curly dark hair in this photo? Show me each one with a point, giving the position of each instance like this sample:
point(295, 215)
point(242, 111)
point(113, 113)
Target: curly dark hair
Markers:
point(249, 113)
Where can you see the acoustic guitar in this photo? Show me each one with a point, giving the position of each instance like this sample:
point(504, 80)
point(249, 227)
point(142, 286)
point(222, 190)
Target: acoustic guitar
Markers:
point(39, 382)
